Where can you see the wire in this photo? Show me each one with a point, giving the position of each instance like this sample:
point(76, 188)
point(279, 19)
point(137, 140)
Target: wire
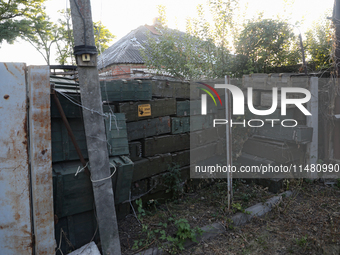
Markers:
point(106, 178)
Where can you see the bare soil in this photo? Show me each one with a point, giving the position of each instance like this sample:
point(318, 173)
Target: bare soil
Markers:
point(306, 223)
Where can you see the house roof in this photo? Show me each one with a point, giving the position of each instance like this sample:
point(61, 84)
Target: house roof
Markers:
point(127, 49)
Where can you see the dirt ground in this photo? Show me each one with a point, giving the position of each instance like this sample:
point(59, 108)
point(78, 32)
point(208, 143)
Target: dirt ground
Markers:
point(306, 223)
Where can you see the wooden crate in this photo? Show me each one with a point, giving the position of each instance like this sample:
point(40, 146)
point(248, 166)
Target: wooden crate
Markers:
point(123, 177)
point(174, 89)
point(150, 127)
point(152, 165)
point(119, 90)
point(71, 110)
point(193, 107)
point(193, 123)
point(79, 230)
point(73, 194)
point(62, 146)
point(135, 149)
point(116, 138)
point(134, 111)
point(165, 144)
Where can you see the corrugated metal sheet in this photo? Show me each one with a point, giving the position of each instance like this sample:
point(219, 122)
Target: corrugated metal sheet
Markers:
point(41, 158)
point(15, 218)
point(127, 49)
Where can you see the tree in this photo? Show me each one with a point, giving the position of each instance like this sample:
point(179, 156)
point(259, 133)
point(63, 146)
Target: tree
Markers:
point(319, 43)
point(65, 42)
point(202, 52)
point(102, 36)
point(16, 17)
point(43, 35)
point(265, 44)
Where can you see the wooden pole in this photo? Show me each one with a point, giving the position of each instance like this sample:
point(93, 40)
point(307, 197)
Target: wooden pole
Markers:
point(94, 126)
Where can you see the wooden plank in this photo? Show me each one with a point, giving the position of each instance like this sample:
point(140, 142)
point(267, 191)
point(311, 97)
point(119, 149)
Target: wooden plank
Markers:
point(41, 158)
point(165, 144)
point(159, 108)
point(150, 127)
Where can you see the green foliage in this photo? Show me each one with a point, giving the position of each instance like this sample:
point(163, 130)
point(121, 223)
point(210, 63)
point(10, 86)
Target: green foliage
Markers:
point(319, 43)
point(302, 241)
point(43, 35)
point(102, 36)
point(266, 44)
point(172, 180)
point(238, 207)
point(65, 42)
point(201, 52)
point(16, 17)
point(173, 243)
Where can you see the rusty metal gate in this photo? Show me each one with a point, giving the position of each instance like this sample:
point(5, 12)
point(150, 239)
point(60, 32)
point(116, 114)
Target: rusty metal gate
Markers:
point(26, 202)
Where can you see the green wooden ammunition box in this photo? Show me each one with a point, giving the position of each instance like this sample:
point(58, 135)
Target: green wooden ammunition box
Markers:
point(150, 166)
point(150, 127)
point(192, 123)
point(200, 122)
point(116, 138)
point(132, 90)
point(298, 134)
point(109, 108)
point(159, 107)
point(186, 108)
point(70, 109)
point(123, 177)
point(181, 158)
point(165, 144)
point(135, 149)
point(79, 230)
point(205, 136)
point(73, 194)
point(174, 89)
point(62, 146)
point(180, 125)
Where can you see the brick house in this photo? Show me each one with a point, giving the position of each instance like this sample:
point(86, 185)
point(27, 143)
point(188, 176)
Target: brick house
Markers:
point(123, 59)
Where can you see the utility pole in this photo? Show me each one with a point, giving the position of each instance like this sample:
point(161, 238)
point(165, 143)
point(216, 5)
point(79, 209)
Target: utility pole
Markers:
point(86, 58)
